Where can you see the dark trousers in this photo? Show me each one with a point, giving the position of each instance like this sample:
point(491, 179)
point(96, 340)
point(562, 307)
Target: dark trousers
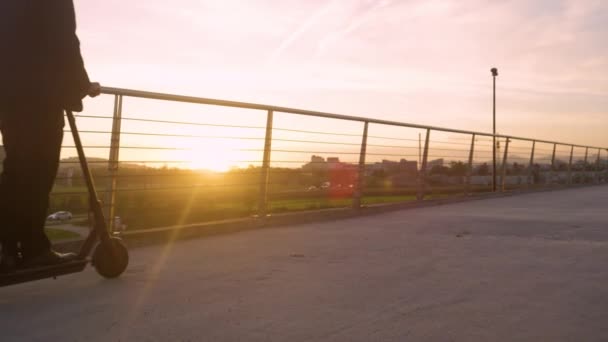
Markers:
point(32, 137)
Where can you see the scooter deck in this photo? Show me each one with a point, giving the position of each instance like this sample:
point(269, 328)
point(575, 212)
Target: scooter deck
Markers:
point(37, 273)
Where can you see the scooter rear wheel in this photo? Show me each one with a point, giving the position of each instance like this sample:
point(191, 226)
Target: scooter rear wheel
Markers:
point(111, 258)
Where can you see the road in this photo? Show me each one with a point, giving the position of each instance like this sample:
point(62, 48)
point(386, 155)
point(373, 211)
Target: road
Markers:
point(524, 268)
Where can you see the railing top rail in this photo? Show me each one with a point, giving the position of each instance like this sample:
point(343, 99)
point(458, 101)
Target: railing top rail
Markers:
point(256, 106)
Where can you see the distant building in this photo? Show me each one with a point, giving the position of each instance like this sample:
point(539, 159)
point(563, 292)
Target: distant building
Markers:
point(320, 164)
point(338, 176)
point(317, 159)
point(333, 163)
point(316, 164)
point(408, 166)
point(389, 167)
point(433, 163)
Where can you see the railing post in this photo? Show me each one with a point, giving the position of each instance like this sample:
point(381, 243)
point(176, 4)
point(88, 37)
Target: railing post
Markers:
point(585, 173)
point(263, 199)
point(570, 165)
point(597, 166)
point(552, 173)
point(530, 176)
point(113, 163)
point(422, 173)
point(504, 165)
point(358, 193)
point(470, 167)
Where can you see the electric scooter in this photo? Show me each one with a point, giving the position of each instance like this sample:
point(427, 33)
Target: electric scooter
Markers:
point(110, 257)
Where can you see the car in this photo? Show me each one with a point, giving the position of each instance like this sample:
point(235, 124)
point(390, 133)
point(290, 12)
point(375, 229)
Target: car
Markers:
point(60, 216)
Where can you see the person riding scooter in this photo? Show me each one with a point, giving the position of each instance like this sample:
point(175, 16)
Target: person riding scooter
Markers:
point(41, 75)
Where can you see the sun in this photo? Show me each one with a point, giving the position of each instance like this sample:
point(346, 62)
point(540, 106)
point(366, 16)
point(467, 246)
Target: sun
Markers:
point(212, 161)
point(219, 156)
point(207, 158)
point(217, 149)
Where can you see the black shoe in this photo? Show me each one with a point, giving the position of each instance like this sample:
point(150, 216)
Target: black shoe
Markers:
point(48, 258)
point(8, 263)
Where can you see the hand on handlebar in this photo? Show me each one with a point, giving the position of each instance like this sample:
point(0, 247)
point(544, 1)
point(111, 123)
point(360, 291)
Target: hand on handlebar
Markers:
point(94, 89)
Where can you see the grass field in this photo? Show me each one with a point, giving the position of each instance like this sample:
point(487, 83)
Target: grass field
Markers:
point(327, 203)
point(59, 234)
point(170, 207)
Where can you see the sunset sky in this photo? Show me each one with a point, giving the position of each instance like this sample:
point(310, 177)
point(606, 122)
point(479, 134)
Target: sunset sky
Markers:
point(425, 62)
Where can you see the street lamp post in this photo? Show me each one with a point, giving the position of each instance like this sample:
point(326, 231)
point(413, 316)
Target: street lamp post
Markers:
point(494, 74)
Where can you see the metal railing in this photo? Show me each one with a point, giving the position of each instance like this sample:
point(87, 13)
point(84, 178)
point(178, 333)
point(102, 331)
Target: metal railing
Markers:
point(524, 163)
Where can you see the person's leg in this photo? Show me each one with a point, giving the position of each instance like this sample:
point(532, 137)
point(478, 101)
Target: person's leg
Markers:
point(40, 141)
point(8, 224)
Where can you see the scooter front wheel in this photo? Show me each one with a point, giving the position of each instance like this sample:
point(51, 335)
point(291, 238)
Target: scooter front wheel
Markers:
point(111, 258)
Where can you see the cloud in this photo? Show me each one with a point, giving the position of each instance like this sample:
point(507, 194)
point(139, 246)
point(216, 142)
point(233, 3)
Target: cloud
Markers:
point(367, 54)
point(361, 15)
point(302, 29)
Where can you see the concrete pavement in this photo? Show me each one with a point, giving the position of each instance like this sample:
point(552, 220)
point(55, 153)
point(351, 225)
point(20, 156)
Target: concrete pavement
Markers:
point(525, 268)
